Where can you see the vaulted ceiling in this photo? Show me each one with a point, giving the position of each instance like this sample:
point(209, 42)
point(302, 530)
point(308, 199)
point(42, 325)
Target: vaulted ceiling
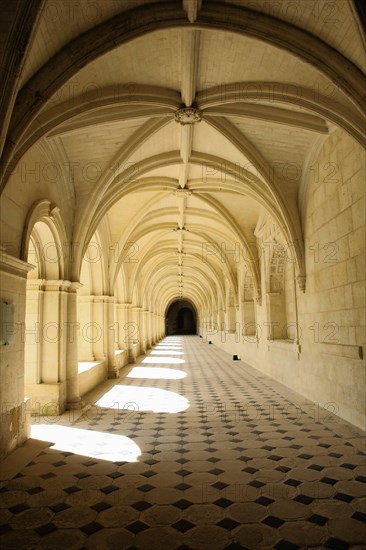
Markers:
point(104, 91)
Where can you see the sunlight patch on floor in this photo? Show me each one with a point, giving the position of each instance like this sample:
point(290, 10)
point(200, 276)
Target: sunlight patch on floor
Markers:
point(156, 372)
point(143, 399)
point(166, 352)
point(169, 350)
point(103, 446)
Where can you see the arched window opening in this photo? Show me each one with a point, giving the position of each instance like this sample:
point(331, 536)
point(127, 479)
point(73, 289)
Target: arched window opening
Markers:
point(280, 296)
point(46, 306)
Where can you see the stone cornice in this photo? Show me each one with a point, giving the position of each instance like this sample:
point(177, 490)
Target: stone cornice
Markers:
point(14, 266)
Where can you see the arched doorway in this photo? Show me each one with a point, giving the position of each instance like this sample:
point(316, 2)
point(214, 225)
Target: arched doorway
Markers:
point(181, 318)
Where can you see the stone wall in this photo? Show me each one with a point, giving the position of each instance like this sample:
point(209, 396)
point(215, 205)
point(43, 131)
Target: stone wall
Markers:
point(327, 366)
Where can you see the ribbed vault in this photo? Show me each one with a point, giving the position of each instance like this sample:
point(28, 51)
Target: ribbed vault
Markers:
point(179, 202)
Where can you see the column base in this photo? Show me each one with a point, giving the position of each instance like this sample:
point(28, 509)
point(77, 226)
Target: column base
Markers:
point(75, 405)
point(112, 374)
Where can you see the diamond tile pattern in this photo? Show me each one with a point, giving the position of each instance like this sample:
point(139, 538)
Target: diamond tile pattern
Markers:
point(183, 525)
point(222, 464)
point(137, 526)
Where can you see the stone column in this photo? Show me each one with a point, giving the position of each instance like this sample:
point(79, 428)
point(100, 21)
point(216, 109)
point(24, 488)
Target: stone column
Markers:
point(221, 319)
point(154, 330)
point(32, 332)
point(99, 335)
point(112, 340)
point(85, 317)
point(150, 332)
point(156, 327)
point(230, 318)
point(120, 321)
point(162, 326)
point(53, 361)
point(127, 329)
point(133, 334)
point(73, 400)
point(136, 330)
point(142, 330)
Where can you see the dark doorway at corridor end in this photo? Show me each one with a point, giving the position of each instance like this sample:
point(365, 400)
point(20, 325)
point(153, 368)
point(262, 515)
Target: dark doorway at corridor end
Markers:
point(180, 318)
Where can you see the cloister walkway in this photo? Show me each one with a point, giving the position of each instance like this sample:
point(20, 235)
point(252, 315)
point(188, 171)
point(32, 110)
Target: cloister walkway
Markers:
point(187, 449)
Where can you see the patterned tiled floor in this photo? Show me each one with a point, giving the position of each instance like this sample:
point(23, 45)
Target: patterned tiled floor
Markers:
point(191, 450)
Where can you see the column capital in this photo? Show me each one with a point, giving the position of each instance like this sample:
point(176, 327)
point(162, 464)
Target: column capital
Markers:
point(35, 284)
point(101, 298)
point(74, 286)
point(55, 285)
